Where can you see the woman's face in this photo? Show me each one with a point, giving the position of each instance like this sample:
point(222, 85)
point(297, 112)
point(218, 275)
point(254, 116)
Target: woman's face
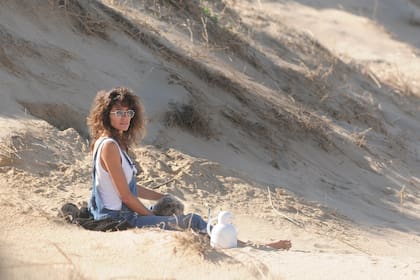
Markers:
point(120, 117)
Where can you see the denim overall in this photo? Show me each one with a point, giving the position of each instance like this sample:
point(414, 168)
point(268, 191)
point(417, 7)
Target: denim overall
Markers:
point(99, 212)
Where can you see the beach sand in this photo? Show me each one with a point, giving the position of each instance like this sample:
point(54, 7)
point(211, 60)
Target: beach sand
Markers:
point(301, 119)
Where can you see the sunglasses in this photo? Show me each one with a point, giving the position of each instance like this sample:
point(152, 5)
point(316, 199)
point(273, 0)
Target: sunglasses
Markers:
point(120, 113)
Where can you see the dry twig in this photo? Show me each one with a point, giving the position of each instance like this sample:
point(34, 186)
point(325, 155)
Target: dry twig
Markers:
point(281, 214)
point(164, 183)
point(178, 173)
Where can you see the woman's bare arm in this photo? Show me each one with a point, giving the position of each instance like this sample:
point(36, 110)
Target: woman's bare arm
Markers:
point(111, 161)
point(148, 193)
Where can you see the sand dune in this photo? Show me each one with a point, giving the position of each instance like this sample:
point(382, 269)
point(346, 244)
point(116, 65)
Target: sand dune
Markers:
point(300, 118)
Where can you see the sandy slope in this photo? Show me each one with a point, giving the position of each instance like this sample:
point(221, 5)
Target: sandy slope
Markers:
point(317, 102)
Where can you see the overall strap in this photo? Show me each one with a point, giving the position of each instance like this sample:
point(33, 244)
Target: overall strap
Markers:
point(132, 184)
point(129, 161)
point(95, 204)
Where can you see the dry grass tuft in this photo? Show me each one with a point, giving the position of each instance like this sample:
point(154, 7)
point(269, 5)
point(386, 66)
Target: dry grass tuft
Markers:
point(192, 244)
point(86, 19)
point(391, 76)
point(190, 118)
point(9, 150)
point(313, 124)
point(359, 138)
point(402, 84)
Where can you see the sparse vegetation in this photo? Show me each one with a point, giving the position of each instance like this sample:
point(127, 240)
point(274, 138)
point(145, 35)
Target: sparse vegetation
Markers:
point(209, 13)
point(192, 244)
point(289, 113)
point(189, 118)
point(9, 152)
point(86, 19)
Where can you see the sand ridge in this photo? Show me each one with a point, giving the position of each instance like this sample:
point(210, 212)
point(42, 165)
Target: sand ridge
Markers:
point(300, 118)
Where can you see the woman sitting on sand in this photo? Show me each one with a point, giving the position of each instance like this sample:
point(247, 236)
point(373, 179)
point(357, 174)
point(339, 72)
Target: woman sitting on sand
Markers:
point(116, 118)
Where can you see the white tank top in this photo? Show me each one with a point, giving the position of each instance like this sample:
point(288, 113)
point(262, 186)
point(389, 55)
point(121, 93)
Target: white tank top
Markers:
point(105, 186)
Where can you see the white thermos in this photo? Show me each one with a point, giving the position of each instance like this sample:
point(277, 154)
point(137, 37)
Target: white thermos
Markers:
point(223, 235)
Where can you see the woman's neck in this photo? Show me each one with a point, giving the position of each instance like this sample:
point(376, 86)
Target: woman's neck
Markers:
point(108, 134)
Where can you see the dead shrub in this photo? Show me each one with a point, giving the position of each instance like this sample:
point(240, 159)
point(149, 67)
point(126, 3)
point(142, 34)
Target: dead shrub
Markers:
point(10, 147)
point(192, 244)
point(190, 118)
point(85, 18)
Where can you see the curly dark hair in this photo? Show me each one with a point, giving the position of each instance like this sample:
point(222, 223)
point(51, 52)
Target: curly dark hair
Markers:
point(99, 121)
